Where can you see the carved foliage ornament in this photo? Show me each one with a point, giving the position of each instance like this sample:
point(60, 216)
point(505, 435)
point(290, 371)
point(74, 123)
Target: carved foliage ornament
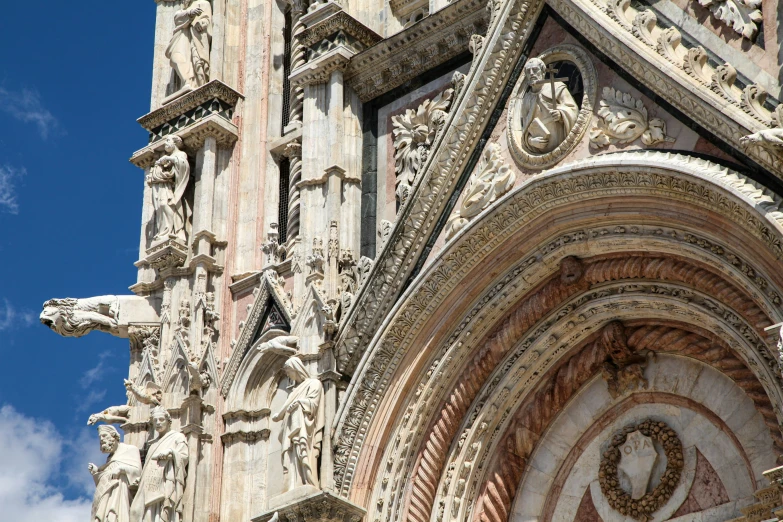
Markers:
point(623, 119)
point(539, 138)
point(491, 179)
point(630, 444)
point(414, 134)
point(743, 16)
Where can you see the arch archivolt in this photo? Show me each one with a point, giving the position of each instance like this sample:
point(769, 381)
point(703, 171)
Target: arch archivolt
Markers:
point(601, 227)
point(550, 364)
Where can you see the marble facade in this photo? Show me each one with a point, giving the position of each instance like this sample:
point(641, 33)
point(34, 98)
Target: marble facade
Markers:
point(502, 261)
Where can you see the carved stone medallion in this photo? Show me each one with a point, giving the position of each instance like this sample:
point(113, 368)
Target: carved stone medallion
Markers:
point(632, 453)
point(551, 106)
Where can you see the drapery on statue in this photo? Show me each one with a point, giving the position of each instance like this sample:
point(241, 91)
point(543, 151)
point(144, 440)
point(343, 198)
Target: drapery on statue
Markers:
point(168, 179)
point(162, 483)
point(189, 47)
point(111, 502)
point(548, 110)
point(303, 424)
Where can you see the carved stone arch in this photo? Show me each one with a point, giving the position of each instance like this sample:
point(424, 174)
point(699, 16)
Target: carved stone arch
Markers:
point(175, 380)
point(271, 310)
point(252, 386)
point(516, 237)
point(512, 23)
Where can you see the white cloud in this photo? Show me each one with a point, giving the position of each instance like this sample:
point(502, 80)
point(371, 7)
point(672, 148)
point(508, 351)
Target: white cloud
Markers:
point(32, 453)
point(8, 177)
point(26, 106)
point(10, 317)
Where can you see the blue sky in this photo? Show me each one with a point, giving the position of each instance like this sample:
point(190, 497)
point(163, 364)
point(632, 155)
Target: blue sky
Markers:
point(74, 76)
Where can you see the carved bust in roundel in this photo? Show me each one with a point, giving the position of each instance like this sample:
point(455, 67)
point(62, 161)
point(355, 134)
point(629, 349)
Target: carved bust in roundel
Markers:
point(551, 106)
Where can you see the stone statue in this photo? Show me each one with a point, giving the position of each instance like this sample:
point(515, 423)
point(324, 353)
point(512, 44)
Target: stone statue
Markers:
point(188, 50)
point(151, 394)
point(111, 502)
point(162, 483)
point(168, 179)
point(548, 110)
point(303, 424)
point(71, 317)
point(111, 415)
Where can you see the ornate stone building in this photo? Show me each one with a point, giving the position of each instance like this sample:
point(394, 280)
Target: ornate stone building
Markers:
point(467, 261)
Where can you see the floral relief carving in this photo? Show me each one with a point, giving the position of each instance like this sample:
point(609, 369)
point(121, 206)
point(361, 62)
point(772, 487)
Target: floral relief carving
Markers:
point(544, 121)
point(491, 179)
point(623, 119)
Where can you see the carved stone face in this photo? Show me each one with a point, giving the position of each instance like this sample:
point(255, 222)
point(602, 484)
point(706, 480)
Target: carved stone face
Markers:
point(161, 423)
point(108, 442)
point(534, 69)
point(169, 145)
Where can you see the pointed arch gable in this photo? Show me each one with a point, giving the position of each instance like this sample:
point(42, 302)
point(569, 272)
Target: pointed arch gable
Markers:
point(512, 25)
point(270, 310)
point(679, 206)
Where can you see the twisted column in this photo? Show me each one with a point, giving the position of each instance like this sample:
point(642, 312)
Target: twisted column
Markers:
point(298, 58)
point(293, 151)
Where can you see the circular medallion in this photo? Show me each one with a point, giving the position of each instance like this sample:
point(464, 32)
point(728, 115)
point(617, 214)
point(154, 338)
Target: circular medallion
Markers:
point(551, 106)
point(632, 452)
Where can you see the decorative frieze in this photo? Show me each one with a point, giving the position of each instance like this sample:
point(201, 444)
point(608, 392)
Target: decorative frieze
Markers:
point(437, 38)
point(213, 98)
point(319, 506)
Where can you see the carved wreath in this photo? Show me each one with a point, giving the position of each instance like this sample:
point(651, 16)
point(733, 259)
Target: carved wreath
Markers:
point(643, 508)
point(564, 52)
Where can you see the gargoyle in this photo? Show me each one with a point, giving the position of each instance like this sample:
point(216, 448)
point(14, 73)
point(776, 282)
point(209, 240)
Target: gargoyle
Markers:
point(71, 317)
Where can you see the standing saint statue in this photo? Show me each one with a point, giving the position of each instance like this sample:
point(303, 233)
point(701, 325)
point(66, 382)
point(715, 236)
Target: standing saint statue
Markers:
point(303, 424)
point(188, 49)
point(168, 179)
point(111, 502)
point(162, 483)
point(548, 110)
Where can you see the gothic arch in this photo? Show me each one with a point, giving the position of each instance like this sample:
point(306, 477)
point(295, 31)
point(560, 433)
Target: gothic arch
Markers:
point(664, 233)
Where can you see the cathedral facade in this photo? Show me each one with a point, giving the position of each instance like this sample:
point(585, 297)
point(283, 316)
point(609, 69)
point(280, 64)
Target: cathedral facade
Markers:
point(452, 261)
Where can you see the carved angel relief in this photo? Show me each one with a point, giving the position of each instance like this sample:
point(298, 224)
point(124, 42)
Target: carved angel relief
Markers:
point(623, 119)
point(491, 179)
point(414, 134)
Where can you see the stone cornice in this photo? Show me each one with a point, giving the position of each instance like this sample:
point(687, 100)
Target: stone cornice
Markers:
point(340, 21)
point(405, 7)
point(193, 136)
point(191, 100)
point(318, 70)
point(426, 44)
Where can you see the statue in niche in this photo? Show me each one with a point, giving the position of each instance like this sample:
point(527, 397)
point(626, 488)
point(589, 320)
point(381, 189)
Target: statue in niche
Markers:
point(188, 50)
point(303, 423)
point(548, 109)
point(162, 483)
point(168, 179)
point(111, 502)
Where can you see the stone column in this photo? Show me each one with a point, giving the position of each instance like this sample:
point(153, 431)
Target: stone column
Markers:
point(298, 58)
point(293, 151)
